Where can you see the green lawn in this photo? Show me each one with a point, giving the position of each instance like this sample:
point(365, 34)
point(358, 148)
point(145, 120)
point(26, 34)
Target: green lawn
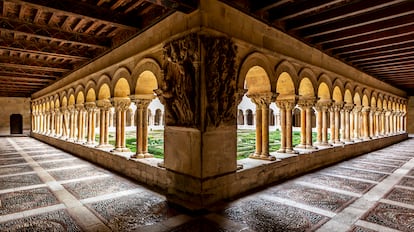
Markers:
point(245, 142)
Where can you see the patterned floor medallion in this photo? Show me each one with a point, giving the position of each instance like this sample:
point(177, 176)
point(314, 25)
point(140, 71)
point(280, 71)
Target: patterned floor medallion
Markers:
point(131, 212)
point(374, 176)
point(99, 186)
point(53, 221)
point(25, 200)
point(61, 163)
point(262, 215)
point(315, 197)
point(361, 229)
point(75, 173)
point(367, 166)
point(392, 216)
point(407, 181)
point(337, 182)
point(401, 195)
point(15, 169)
point(12, 161)
point(19, 181)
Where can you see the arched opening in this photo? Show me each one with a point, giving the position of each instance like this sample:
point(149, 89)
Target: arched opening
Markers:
point(251, 132)
point(149, 118)
point(16, 124)
point(306, 103)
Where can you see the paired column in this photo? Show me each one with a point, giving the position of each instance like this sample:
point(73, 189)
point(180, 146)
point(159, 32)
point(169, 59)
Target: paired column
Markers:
point(357, 123)
point(286, 106)
point(104, 107)
point(305, 106)
point(348, 117)
point(91, 117)
point(262, 102)
point(365, 122)
point(58, 124)
point(65, 122)
point(142, 102)
point(336, 108)
point(81, 123)
point(121, 106)
point(73, 118)
point(322, 122)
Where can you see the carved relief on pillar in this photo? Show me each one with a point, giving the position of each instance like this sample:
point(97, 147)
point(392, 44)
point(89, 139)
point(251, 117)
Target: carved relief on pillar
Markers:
point(262, 99)
point(90, 106)
point(220, 71)
point(177, 90)
point(104, 104)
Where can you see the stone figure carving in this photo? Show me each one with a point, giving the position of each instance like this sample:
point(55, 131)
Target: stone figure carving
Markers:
point(178, 90)
point(220, 80)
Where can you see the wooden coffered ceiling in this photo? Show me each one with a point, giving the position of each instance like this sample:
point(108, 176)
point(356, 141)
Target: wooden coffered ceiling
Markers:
point(376, 37)
point(41, 41)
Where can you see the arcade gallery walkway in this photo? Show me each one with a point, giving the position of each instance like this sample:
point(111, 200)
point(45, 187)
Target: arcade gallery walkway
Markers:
point(45, 189)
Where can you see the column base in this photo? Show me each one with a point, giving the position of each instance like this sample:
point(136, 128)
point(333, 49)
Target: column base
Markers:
point(366, 139)
point(121, 149)
point(104, 146)
point(281, 150)
point(301, 146)
point(310, 147)
point(142, 156)
point(323, 144)
point(291, 151)
point(262, 157)
point(338, 143)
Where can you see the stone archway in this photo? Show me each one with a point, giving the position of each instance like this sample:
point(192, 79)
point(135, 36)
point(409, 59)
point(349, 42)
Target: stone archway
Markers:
point(16, 124)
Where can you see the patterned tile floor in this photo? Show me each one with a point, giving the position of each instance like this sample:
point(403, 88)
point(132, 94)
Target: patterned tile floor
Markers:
point(45, 189)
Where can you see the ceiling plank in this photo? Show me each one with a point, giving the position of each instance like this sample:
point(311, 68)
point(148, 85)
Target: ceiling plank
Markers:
point(77, 8)
point(48, 54)
point(30, 76)
point(37, 62)
point(33, 67)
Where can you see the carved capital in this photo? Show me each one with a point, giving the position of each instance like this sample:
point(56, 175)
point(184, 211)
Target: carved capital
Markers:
point(348, 107)
point(306, 103)
point(121, 103)
point(142, 103)
point(323, 105)
point(286, 104)
point(80, 107)
point(262, 99)
point(90, 106)
point(104, 104)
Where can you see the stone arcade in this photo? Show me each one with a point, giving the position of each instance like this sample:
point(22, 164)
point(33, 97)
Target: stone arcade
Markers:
point(200, 60)
point(200, 68)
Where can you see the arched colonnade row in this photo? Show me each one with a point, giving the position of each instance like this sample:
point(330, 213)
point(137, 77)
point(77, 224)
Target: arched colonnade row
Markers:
point(357, 112)
point(350, 110)
point(71, 114)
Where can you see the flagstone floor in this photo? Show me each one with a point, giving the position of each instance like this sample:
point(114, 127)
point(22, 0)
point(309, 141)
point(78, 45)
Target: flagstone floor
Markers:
point(45, 189)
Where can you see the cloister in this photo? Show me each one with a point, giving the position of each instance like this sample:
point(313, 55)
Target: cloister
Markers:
point(200, 73)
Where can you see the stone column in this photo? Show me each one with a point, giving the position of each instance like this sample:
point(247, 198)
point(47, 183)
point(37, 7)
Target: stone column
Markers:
point(378, 123)
point(52, 122)
point(332, 127)
point(245, 118)
point(91, 109)
point(337, 108)
point(286, 105)
point(262, 102)
point(81, 123)
point(383, 132)
point(365, 113)
point(142, 102)
point(121, 106)
point(306, 123)
point(65, 122)
point(318, 109)
point(72, 113)
point(372, 123)
point(104, 107)
point(57, 122)
point(347, 110)
point(357, 123)
point(322, 107)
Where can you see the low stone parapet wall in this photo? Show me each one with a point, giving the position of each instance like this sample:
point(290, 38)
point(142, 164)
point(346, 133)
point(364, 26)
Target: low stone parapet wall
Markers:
point(197, 193)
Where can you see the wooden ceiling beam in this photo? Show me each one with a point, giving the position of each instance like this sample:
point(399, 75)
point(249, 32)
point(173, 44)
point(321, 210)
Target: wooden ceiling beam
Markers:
point(48, 54)
point(382, 57)
point(60, 41)
point(84, 10)
point(133, 6)
point(37, 62)
point(301, 8)
point(261, 6)
point(24, 79)
point(366, 39)
point(33, 67)
point(28, 75)
point(386, 64)
point(359, 30)
point(380, 52)
point(51, 32)
point(385, 61)
point(119, 3)
point(186, 6)
point(352, 10)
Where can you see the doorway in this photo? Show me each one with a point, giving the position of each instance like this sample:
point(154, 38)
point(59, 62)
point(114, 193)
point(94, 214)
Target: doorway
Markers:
point(16, 124)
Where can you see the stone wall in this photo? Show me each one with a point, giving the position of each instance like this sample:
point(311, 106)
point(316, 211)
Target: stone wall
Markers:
point(14, 105)
point(410, 115)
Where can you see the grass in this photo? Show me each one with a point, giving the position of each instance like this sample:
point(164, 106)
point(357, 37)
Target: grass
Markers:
point(246, 142)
